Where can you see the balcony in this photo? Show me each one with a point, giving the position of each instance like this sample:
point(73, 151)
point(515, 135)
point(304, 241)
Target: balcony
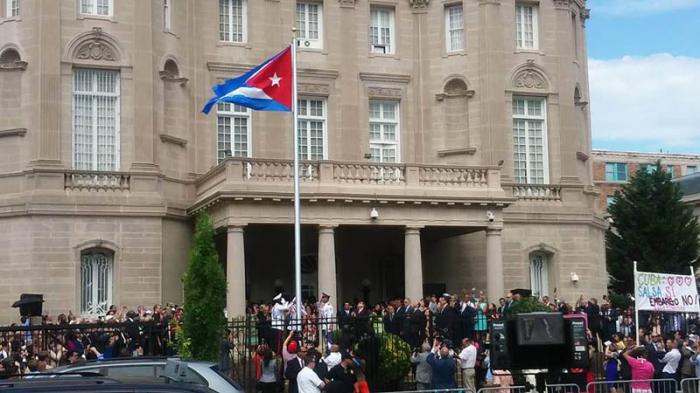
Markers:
point(271, 178)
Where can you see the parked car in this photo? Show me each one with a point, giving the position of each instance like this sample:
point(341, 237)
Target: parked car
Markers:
point(92, 384)
point(158, 370)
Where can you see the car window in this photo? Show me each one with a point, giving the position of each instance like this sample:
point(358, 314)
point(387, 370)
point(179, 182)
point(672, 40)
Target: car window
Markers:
point(231, 382)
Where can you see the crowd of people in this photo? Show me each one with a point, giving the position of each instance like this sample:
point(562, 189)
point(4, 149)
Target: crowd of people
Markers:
point(448, 335)
point(69, 338)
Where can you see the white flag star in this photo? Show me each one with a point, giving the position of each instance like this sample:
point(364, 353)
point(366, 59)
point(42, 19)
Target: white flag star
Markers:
point(275, 80)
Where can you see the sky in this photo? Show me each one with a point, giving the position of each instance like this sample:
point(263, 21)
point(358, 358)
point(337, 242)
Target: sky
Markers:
point(644, 74)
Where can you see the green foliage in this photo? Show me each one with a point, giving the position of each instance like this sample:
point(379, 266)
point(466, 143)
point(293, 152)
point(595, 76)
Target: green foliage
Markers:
point(649, 225)
point(620, 301)
point(526, 305)
point(205, 297)
point(394, 359)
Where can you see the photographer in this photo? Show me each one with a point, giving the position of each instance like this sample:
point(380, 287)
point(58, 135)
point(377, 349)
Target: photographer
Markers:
point(424, 371)
point(442, 365)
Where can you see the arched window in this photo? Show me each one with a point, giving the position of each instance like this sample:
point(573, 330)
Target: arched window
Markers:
point(171, 68)
point(9, 57)
point(539, 274)
point(96, 266)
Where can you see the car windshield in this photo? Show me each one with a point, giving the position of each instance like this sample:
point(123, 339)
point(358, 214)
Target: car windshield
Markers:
point(233, 383)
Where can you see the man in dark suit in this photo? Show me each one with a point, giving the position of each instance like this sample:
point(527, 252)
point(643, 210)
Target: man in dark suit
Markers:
point(401, 316)
point(362, 322)
point(443, 367)
point(445, 318)
point(346, 321)
point(341, 376)
point(293, 367)
point(391, 324)
point(466, 319)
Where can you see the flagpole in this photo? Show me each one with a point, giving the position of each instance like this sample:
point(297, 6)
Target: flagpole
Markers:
point(636, 307)
point(297, 223)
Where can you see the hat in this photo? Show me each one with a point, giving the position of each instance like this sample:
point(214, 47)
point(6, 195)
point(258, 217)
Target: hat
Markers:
point(278, 297)
point(446, 295)
point(346, 355)
point(323, 294)
point(292, 347)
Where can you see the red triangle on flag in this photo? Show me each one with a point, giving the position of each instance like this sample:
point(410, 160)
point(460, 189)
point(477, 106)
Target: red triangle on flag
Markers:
point(276, 78)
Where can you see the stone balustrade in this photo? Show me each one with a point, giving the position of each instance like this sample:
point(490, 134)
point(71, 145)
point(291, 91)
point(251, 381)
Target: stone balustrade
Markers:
point(97, 181)
point(537, 192)
point(453, 176)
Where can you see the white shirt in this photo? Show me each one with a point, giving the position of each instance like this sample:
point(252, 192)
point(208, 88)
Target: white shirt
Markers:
point(278, 315)
point(467, 358)
point(332, 360)
point(327, 311)
point(672, 359)
point(308, 381)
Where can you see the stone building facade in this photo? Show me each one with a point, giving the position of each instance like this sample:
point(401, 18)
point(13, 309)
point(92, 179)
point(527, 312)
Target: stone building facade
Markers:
point(446, 145)
point(612, 169)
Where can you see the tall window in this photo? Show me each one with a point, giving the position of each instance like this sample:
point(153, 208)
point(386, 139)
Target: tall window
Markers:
point(232, 20)
point(648, 168)
point(615, 171)
point(95, 120)
point(526, 26)
point(312, 128)
point(12, 9)
point(96, 7)
point(233, 124)
point(539, 275)
point(95, 281)
point(671, 169)
point(167, 8)
point(384, 131)
point(609, 200)
point(454, 28)
point(310, 24)
point(691, 169)
point(530, 140)
point(381, 30)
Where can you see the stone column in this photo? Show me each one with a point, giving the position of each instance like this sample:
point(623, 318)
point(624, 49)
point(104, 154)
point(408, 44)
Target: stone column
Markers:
point(235, 272)
point(413, 264)
point(326, 263)
point(494, 264)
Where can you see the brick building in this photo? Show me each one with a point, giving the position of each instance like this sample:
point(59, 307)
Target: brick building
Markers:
point(612, 169)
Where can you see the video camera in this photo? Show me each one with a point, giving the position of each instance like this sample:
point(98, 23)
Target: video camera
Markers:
point(539, 340)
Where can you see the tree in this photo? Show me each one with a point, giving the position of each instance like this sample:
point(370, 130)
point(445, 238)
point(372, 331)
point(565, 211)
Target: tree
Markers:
point(649, 224)
point(204, 322)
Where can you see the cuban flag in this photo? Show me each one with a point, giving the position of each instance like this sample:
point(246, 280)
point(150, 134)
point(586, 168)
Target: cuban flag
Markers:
point(267, 87)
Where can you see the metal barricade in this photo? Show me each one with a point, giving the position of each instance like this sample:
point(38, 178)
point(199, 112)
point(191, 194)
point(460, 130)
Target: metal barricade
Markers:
point(455, 390)
point(690, 385)
point(563, 388)
point(500, 389)
point(653, 385)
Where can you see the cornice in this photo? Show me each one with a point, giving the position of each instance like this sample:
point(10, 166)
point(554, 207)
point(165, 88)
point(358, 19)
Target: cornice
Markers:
point(381, 77)
point(173, 139)
point(242, 68)
point(13, 132)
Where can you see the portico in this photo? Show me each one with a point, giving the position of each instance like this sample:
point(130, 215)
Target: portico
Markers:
point(346, 252)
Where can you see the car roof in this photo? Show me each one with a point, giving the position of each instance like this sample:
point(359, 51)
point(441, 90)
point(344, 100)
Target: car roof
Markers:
point(95, 384)
point(132, 360)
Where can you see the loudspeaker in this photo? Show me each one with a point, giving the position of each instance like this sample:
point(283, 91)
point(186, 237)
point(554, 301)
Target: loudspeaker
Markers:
point(499, 346)
point(540, 329)
point(30, 304)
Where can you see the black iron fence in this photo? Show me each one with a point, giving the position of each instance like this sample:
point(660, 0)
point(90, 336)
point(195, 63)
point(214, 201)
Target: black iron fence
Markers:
point(93, 339)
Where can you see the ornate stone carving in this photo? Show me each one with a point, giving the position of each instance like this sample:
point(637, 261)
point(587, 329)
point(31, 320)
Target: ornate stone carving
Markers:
point(313, 88)
point(530, 79)
point(15, 65)
point(347, 3)
point(562, 4)
point(95, 50)
point(385, 92)
point(420, 4)
point(585, 14)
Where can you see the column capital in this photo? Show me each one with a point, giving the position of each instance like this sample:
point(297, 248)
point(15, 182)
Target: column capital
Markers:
point(413, 229)
point(327, 228)
point(235, 228)
point(494, 231)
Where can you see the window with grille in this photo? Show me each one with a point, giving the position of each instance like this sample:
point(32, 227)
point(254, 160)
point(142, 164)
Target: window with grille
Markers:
point(539, 275)
point(615, 171)
point(671, 169)
point(309, 22)
point(232, 20)
point(96, 267)
point(95, 120)
point(648, 168)
point(526, 26)
point(96, 7)
point(530, 162)
point(311, 118)
point(381, 30)
point(12, 8)
point(167, 8)
point(384, 131)
point(690, 169)
point(233, 124)
point(454, 28)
